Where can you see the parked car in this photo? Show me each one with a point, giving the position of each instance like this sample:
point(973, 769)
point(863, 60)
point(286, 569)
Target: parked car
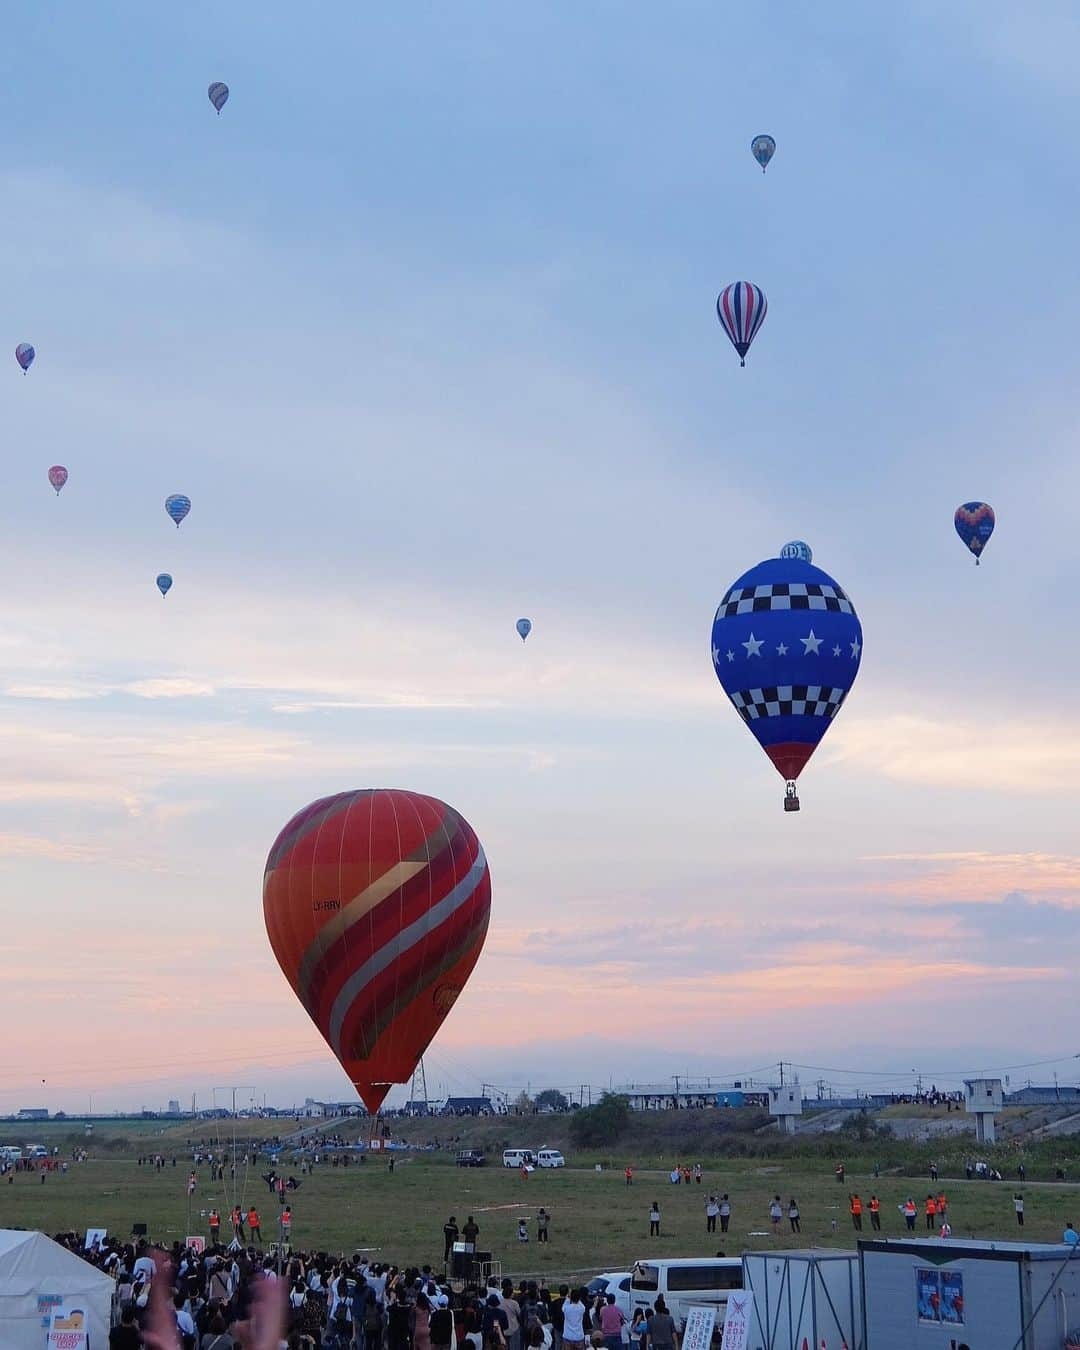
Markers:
point(615, 1282)
point(471, 1157)
point(686, 1283)
point(519, 1157)
point(550, 1157)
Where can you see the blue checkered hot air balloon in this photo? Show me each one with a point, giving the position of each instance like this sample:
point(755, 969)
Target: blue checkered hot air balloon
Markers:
point(524, 628)
point(786, 646)
point(164, 583)
point(763, 148)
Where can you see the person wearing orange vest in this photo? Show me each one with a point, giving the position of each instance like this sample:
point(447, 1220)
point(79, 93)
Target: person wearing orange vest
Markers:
point(855, 1205)
point(910, 1210)
point(237, 1223)
point(629, 1176)
point(214, 1223)
point(931, 1213)
point(942, 1207)
point(254, 1227)
point(875, 1214)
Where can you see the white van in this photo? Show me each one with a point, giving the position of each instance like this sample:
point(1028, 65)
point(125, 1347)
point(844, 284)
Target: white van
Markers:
point(10, 1153)
point(550, 1157)
point(685, 1283)
point(519, 1157)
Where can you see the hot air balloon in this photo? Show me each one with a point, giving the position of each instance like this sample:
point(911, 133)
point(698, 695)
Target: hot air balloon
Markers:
point(524, 627)
point(786, 646)
point(164, 582)
point(218, 95)
point(974, 523)
point(763, 148)
point(741, 308)
point(25, 354)
point(797, 549)
point(178, 506)
point(58, 476)
point(376, 905)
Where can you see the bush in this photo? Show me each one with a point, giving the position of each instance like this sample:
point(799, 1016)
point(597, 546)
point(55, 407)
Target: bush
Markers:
point(594, 1126)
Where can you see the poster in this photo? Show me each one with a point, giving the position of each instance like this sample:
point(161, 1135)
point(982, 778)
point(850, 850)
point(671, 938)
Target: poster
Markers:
point(939, 1296)
point(740, 1309)
point(697, 1333)
point(195, 1243)
point(68, 1329)
point(93, 1235)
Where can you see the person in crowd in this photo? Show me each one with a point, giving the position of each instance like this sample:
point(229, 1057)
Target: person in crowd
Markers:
point(573, 1316)
point(662, 1333)
point(612, 1322)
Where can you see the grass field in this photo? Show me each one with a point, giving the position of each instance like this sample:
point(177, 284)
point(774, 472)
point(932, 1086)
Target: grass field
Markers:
point(598, 1223)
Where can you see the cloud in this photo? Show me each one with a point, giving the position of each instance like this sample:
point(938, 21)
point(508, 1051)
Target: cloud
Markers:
point(1015, 756)
point(975, 877)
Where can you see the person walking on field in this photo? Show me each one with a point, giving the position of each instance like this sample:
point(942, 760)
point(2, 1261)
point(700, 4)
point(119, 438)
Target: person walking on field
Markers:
point(214, 1224)
point(931, 1213)
point(793, 1216)
point(855, 1205)
point(237, 1223)
point(629, 1176)
point(1018, 1205)
point(909, 1209)
point(543, 1218)
point(875, 1214)
point(712, 1211)
point(725, 1212)
point(775, 1214)
point(254, 1225)
point(654, 1220)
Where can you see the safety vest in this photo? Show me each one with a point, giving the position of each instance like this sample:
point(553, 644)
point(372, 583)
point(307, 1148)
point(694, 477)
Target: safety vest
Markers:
point(875, 1204)
point(215, 1219)
point(910, 1207)
point(931, 1207)
point(253, 1218)
point(856, 1205)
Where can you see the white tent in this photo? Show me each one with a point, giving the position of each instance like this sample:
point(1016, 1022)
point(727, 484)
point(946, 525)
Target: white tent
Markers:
point(35, 1274)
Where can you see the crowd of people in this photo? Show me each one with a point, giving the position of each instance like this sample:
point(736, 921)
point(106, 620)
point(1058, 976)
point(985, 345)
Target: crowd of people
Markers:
point(236, 1298)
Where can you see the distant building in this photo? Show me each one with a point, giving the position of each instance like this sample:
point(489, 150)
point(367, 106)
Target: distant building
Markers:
point(174, 1107)
point(1043, 1095)
point(468, 1106)
point(33, 1113)
point(691, 1095)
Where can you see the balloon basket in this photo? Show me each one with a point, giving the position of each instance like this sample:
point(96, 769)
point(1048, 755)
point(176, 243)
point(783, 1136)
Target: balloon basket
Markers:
point(791, 798)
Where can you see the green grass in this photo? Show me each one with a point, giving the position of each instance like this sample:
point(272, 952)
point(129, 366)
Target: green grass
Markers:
point(598, 1223)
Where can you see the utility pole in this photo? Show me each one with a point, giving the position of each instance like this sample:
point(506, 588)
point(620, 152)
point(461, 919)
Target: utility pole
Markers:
point(781, 1073)
point(234, 1089)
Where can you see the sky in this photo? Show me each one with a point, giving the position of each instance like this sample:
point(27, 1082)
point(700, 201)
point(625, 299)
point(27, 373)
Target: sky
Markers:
point(424, 325)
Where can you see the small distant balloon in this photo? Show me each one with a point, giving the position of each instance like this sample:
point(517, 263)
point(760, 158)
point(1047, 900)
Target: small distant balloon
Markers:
point(164, 583)
point(25, 354)
point(974, 522)
point(797, 549)
point(763, 148)
point(58, 476)
point(524, 627)
point(178, 506)
point(741, 309)
point(218, 95)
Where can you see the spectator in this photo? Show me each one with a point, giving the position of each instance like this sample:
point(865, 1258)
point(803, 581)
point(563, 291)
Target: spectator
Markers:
point(654, 1220)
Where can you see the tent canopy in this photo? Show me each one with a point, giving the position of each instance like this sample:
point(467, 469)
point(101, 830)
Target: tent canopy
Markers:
point(37, 1274)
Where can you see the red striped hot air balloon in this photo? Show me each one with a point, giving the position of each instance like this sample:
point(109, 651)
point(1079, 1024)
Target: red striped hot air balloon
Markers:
point(376, 905)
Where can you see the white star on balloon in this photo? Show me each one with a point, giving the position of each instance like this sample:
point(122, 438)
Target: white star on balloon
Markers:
point(781, 649)
point(811, 644)
point(716, 656)
point(753, 646)
point(731, 656)
point(836, 650)
point(855, 649)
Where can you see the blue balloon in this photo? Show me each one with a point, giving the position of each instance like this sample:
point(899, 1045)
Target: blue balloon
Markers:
point(218, 94)
point(164, 583)
point(797, 549)
point(786, 646)
point(178, 506)
point(974, 522)
point(763, 148)
point(524, 627)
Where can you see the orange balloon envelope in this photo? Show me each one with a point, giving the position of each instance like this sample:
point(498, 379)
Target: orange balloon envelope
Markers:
point(376, 905)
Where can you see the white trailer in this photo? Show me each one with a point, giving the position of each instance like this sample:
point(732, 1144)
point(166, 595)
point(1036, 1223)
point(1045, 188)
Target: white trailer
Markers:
point(933, 1294)
point(809, 1296)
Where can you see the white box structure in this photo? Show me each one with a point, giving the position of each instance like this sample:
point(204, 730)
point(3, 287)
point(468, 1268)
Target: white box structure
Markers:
point(983, 1099)
point(802, 1298)
point(785, 1103)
